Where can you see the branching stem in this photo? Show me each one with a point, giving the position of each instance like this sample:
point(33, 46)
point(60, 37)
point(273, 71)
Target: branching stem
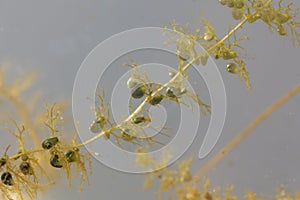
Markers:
point(148, 98)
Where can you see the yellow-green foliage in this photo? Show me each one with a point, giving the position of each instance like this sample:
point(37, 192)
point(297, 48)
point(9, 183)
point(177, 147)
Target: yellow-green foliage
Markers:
point(23, 175)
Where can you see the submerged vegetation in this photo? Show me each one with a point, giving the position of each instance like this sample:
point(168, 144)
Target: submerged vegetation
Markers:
point(24, 172)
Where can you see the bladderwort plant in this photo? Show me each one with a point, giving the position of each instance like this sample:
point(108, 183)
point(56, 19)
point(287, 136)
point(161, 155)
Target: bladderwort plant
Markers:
point(31, 166)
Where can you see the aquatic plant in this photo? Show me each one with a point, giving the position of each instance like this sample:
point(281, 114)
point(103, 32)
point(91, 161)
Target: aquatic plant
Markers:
point(38, 156)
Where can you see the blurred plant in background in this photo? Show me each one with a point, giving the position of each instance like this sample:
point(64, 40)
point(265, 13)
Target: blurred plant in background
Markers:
point(45, 148)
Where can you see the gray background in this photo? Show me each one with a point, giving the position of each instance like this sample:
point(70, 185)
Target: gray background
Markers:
point(55, 36)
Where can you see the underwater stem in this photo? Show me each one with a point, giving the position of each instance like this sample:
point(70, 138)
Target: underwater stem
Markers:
point(242, 135)
point(148, 98)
